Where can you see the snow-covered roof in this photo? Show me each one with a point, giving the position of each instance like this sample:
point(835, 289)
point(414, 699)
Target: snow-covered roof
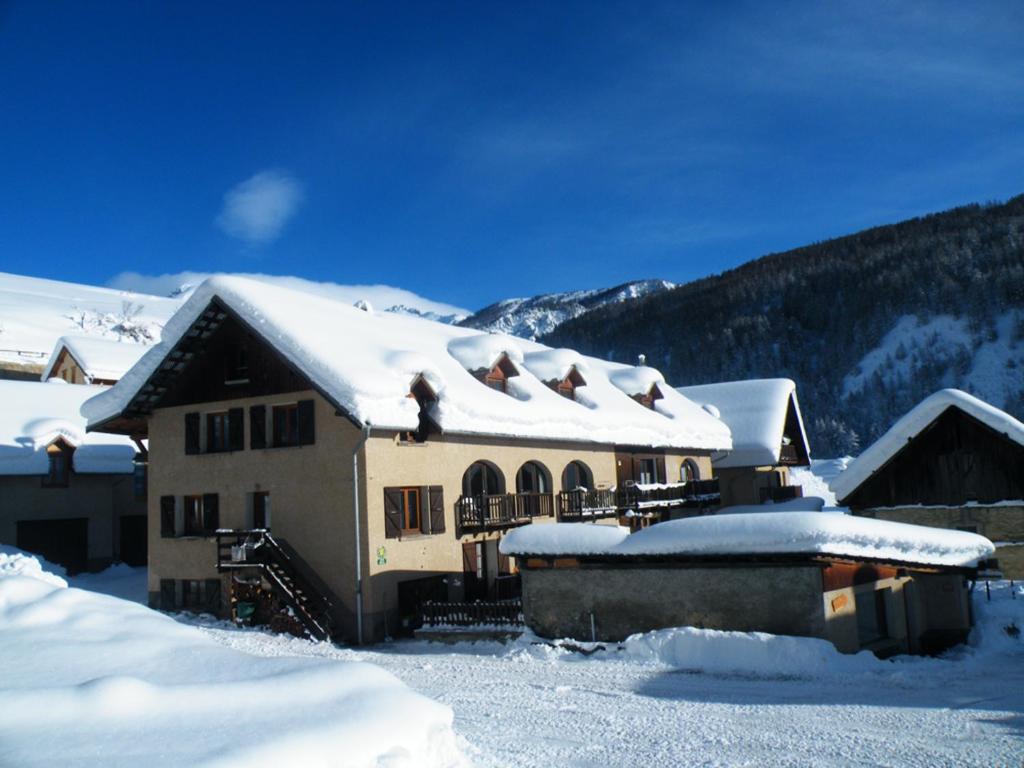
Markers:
point(35, 414)
point(365, 363)
point(98, 357)
point(912, 424)
point(781, 533)
point(755, 411)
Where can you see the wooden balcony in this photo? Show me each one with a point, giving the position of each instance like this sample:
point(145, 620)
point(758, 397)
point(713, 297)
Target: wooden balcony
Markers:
point(660, 497)
point(788, 455)
point(491, 512)
point(584, 504)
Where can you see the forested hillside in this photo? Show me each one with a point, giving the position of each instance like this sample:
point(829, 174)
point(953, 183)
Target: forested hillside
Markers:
point(866, 324)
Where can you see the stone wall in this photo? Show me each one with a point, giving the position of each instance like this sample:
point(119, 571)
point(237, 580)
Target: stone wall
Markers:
point(784, 600)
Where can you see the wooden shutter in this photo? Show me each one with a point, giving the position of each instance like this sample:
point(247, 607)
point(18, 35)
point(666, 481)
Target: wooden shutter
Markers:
point(435, 495)
point(258, 426)
point(167, 517)
point(470, 559)
point(393, 513)
point(236, 432)
point(307, 430)
point(191, 433)
point(167, 601)
point(211, 512)
point(659, 469)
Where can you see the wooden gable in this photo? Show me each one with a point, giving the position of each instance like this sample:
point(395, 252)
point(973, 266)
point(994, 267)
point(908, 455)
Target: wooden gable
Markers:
point(954, 460)
point(793, 451)
point(567, 386)
point(220, 357)
point(497, 377)
point(647, 400)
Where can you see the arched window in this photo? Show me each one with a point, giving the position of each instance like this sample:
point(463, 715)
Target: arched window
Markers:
point(533, 477)
point(482, 479)
point(689, 471)
point(576, 475)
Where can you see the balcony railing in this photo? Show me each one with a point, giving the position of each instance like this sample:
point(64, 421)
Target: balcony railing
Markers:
point(504, 614)
point(587, 504)
point(501, 510)
point(655, 497)
point(788, 455)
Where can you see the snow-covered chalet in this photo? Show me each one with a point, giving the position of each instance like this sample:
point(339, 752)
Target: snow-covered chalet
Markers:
point(354, 464)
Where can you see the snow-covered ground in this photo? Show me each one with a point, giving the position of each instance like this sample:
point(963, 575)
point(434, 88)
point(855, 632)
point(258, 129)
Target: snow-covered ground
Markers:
point(674, 697)
point(92, 680)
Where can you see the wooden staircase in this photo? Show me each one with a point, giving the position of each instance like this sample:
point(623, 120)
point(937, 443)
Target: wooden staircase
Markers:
point(291, 579)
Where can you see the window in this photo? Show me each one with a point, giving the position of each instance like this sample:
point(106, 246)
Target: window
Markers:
point(236, 361)
point(567, 386)
point(202, 514)
point(261, 509)
point(193, 515)
point(405, 512)
point(293, 424)
point(576, 475)
point(689, 471)
point(216, 432)
point(482, 479)
point(872, 624)
point(139, 480)
point(286, 424)
point(647, 471)
point(59, 455)
point(532, 477)
point(648, 400)
point(197, 595)
point(498, 376)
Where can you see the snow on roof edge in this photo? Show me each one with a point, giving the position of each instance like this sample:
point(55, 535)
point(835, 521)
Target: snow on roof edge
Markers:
point(680, 425)
point(758, 534)
point(911, 424)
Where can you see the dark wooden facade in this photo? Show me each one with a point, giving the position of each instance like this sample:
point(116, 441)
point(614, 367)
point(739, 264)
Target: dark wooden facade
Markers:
point(955, 459)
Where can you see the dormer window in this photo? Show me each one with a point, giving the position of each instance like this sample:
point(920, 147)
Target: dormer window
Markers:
point(567, 386)
point(59, 456)
point(498, 376)
point(648, 400)
point(425, 397)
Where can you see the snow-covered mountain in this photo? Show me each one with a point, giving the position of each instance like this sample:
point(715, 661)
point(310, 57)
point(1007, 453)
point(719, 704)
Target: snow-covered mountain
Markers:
point(387, 298)
point(539, 315)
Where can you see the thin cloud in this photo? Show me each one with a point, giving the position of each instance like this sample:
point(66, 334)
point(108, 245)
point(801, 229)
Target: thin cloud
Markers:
point(257, 210)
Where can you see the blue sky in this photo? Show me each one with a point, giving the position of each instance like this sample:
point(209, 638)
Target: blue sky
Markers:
point(472, 152)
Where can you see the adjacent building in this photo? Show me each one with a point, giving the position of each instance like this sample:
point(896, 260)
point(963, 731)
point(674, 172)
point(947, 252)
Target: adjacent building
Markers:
point(768, 438)
point(355, 464)
point(953, 461)
point(861, 584)
point(91, 359)
point(77, 499)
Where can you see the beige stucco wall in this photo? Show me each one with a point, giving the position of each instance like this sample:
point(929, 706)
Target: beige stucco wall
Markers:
point(1003, 525)
point(310, 493)
point(67, 368)
point(311, 497)
point(102, 498)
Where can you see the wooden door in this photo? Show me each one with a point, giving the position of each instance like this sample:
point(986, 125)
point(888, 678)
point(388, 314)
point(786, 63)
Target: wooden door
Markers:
point(474, 570)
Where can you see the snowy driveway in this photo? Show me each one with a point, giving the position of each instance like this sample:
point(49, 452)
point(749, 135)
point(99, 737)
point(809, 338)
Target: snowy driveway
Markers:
point(536, 706)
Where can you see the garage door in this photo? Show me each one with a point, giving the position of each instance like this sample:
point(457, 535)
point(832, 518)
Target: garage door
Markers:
point(133, 540)
point(64, 542)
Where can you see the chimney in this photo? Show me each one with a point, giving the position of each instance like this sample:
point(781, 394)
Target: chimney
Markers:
point(641, 360)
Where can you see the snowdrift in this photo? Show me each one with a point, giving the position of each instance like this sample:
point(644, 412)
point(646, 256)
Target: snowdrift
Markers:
point(87, 679)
